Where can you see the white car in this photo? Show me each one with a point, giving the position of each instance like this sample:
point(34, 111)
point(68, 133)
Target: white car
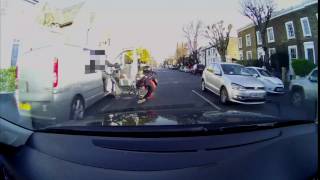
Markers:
point(233, 83)
point(272, 84)
point(304, 89)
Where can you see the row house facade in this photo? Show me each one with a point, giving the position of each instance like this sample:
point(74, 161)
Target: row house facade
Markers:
point(293, 31)
point(209, 54)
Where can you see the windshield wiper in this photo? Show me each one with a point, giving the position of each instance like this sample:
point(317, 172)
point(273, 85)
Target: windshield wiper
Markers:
point(261, 126)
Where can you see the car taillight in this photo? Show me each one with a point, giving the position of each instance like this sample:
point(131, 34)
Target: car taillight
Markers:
point(55, 72)
point(16, 72)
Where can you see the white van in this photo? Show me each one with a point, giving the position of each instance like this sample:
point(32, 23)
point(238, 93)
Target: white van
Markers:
point(55, 83)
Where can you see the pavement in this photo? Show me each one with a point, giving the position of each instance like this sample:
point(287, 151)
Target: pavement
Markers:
point(183, 90)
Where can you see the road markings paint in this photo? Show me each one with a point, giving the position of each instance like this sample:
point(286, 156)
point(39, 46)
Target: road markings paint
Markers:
point(207, 100)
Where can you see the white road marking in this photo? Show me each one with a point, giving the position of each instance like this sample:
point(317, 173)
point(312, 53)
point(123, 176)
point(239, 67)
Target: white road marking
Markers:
point(207, 100)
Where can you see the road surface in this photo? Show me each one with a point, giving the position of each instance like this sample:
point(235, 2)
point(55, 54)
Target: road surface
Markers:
point(182, 90)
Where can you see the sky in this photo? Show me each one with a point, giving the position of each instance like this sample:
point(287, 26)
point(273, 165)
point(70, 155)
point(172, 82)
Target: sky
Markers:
point(157, 24)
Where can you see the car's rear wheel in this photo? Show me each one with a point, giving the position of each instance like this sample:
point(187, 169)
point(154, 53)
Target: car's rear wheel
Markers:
point(77, 109)
point(297, 98)
point(203, 86)
point(224, 98)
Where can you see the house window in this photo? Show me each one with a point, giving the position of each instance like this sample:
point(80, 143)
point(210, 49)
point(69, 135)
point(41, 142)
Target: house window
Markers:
point(305, 26)
point(241, 55)
point(272, 51)
point(293, 52)
point(290, 30)
point(270, 35)
point(240, 42)
point(309, 53)
point(259, 39)
point(249, 55)
point(260, 53)
point(248, 40)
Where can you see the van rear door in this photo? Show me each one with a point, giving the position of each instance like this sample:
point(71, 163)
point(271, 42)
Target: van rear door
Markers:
point(36, 75)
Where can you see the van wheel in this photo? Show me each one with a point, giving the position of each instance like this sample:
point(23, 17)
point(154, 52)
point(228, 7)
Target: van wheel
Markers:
point(224, 96)
point(77, 109)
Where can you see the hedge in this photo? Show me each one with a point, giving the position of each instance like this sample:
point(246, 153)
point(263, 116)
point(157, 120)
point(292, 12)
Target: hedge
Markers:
point(302, 67)
point(7, 79)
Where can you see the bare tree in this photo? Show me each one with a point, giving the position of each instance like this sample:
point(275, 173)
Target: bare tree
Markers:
point(219, 36)
point(260, 13)
point(192, 32)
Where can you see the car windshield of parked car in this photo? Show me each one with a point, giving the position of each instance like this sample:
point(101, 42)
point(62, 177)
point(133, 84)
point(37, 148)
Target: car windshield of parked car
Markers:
point(231, 69)
point(265, 73)
point(155, 63)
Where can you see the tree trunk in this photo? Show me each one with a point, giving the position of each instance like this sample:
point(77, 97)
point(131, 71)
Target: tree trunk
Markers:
point(266, 58)
point(223, 56)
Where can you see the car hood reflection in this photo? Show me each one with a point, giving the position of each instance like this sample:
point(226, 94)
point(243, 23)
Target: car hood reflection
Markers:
point(154, 118)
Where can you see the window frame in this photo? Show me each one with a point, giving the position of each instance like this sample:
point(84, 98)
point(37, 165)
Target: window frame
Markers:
point(289, 52)
point(303, 29)
point(309, 45)
point(287, 30)
point(248, 55)
point(241, 57)
point(269, 50)
point(260, 50)
point(259, 38)
point(240, 42)
point(250, 40)
point(268, 35)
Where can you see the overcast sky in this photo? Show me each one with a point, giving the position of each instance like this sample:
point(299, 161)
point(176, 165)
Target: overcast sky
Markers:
point(157, 24)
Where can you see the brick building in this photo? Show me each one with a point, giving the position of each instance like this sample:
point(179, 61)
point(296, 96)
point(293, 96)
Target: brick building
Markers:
point(293, 31)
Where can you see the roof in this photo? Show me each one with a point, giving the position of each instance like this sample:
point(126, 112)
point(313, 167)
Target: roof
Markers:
point(284, 12)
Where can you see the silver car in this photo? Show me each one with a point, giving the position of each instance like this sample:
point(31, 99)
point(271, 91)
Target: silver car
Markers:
point(304, 89)
point(233, 83)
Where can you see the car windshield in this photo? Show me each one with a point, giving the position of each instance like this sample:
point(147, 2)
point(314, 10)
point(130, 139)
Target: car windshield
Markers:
point(149, 63)
point(231, 69)
point(265, 73)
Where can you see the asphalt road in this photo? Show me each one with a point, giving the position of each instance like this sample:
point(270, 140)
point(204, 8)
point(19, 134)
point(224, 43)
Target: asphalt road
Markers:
point(182, 90)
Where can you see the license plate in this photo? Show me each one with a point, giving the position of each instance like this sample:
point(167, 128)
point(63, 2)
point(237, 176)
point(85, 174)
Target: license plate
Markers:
point(255, 95)
point(25, 106)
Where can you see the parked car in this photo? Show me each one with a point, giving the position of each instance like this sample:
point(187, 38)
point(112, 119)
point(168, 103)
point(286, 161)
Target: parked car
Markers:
point(232, 82)
point(304, 89)
point(197, 69)
point(272, 84)
point(57, 83)
point(175, 67)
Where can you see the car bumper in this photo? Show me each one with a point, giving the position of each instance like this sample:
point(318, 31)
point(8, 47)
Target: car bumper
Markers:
point(276, 90)
point(248, 97)
point(46, 112)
